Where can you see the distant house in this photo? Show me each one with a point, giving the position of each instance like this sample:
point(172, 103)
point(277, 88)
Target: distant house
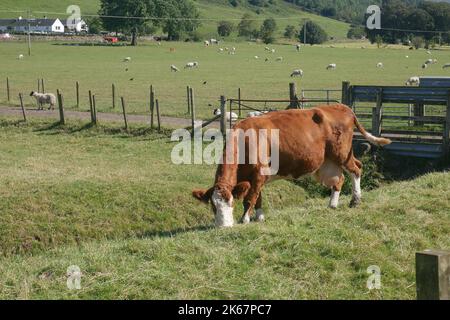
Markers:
point(35, 25)
point(74, 26)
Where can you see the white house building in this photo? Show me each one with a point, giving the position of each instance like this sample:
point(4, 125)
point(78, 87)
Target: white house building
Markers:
point(35, 25)
point(75, 26)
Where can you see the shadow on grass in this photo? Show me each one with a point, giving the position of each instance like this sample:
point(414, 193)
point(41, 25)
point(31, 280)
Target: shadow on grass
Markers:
point(175, 232)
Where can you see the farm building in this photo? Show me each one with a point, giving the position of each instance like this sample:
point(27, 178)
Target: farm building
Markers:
point(75, 26)
point(20, 25)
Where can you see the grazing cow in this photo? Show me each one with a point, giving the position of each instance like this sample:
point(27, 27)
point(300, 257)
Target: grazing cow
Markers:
point(315, 142)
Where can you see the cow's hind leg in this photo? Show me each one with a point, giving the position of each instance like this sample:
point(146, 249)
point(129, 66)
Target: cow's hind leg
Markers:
point(354, 168)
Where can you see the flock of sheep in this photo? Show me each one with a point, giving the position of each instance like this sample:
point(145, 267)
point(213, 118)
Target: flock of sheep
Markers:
point(50, 99)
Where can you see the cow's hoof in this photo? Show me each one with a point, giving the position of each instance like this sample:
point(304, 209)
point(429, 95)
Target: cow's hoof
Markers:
point(355, 202)
point(260, 216)
point(245, 219)
point(331, 206)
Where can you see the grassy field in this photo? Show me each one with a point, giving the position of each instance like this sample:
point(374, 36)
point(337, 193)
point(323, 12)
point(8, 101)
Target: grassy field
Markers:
point(96, 68)
point(114, 205)
point(211, 9)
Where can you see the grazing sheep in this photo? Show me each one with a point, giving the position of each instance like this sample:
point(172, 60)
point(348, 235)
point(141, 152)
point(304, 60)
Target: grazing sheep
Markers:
point(207, 43)
point(234, 116)
point(413, 81)
point(380, 65)
point(425, 65)
point(20, 57)
point(127, 59)
point(297, 73)
point(445, 66)
point(407, 57)
point(332, 66)
point(174, 68)
point(256, 57)
point(214, 41)
point(191, 65)
point(273, 50)
point(254, 114)
point(44, 98)
point(298, 47)
point(267, 48)
point(220, 49)
point(428, 52)
point(279, 59)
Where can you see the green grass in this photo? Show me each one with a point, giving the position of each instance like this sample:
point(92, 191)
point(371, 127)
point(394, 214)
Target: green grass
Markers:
point(210, 9)
point(96, 68)
point(114, 205)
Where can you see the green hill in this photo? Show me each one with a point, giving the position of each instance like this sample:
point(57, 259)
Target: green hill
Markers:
point(286, 13)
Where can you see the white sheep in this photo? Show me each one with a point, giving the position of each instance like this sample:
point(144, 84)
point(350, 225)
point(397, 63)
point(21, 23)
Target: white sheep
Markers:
point(20, 57)
point(273, 50)
point(298, 46)
point(428, 52)
point(413, 81)
point(445, 66)
point(380, 65)
point(173, 68)
point(44, 98)
point(207, 43)
point(256, 57)
point(280, 59)
point(331, 66)
point(234, 116)
point(254, 114)
point(127, 59)
point(220, 49)
point(297, 73)
point(191, 65)
point(267, 48)
point(425, 65)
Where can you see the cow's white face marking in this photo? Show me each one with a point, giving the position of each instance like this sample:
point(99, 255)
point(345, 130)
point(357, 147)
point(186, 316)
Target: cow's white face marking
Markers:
point(334, 201)
point(224, 210)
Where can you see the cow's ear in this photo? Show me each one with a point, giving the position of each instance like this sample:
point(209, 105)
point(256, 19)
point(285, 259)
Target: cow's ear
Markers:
point(203, 195)
point(241, 190)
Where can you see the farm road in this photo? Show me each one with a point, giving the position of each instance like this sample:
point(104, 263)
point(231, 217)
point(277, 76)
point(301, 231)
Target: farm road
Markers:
point(167, 122)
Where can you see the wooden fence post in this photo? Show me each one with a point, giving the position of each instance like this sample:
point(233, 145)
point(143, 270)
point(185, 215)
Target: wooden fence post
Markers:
point(223, 119)
point(7, 89)
point(94, 110)
point(188, 95)
point(419, 111)
point(239, 102)
point(77, 89)
point(377, 114)
point(42, 86)
point(158, 115)
point(39, 86)
point(113, 96)
point(91, 107)
point(293, 96)
point(61, 108)
point(345, 98)
point(433, 275)
point(192, 103)
point(124, 113)
point(152, 107)
point(23, 108)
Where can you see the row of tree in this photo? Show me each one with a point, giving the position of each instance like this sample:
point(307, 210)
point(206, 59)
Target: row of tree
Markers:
point(429, 17)
point(175, 17)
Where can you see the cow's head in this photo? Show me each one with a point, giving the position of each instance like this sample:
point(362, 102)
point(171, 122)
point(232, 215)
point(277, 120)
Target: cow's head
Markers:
point(222, 200)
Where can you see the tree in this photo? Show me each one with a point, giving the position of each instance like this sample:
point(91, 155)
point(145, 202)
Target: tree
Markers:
point(126, 8)
point(417, 42)
point(179, 17)
point(314, 33)
point(356, 32)
point(290, 32)
point(246, 27)
point(268, 29)
point(95, 25)
point(225, 28)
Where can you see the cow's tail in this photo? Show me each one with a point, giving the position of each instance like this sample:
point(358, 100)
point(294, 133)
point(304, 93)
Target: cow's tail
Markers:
point(369, 137)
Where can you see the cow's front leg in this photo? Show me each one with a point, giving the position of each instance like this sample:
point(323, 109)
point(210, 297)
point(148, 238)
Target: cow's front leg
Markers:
point(251, 200)
point(259, 211)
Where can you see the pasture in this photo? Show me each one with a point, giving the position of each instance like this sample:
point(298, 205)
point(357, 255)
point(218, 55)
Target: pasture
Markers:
point(96, 68)
point(114, 205)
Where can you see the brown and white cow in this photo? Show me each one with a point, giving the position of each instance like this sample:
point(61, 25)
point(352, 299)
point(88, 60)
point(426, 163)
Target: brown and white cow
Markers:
point(315, 142)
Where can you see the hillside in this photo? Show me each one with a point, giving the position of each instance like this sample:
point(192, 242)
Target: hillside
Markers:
point(211, 9)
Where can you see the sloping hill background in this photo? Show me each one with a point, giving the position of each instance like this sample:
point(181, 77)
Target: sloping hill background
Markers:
point(286, 13)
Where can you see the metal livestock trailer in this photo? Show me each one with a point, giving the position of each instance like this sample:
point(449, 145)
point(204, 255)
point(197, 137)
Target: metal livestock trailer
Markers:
point(388, 111)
